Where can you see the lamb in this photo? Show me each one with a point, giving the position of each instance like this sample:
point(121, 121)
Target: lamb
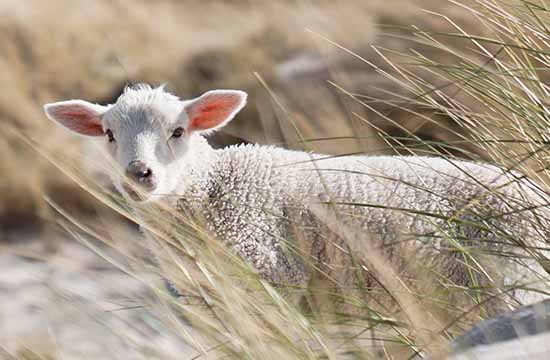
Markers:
point(252, 196)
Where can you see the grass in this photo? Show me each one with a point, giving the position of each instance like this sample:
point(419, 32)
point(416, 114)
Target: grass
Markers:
point(493, 88)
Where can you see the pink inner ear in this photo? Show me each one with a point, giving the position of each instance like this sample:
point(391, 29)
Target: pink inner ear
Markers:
point(212, 111)
point(78, 118)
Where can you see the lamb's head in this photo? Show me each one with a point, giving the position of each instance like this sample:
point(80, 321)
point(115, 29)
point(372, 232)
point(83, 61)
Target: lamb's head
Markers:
point(149, 132)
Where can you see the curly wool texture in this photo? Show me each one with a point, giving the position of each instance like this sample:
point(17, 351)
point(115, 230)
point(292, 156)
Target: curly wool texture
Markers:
point(256, 199)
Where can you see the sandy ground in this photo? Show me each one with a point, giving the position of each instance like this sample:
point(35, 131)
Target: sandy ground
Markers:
point(75, 305)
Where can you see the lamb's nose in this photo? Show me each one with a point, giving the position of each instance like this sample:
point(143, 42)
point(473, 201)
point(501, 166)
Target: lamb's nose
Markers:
point(138, 171)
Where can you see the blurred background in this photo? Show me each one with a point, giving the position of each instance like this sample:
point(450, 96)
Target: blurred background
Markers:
point(320, 65)
point(311, 55)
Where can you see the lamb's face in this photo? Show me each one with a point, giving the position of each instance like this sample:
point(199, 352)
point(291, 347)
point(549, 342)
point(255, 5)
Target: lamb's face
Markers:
point(147, 133)
point(147, 141)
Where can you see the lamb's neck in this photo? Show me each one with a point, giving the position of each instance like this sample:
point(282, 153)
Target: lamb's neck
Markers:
point(194, 168)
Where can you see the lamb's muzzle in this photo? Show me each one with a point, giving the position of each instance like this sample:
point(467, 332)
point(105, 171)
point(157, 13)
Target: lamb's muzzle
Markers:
point(141, 174)
point(141, 180)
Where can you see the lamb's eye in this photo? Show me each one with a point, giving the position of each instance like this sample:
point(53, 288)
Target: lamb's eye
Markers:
point(178, 132)
point(110, 135)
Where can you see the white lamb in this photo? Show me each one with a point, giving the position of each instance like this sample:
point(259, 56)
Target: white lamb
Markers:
point(254, 197)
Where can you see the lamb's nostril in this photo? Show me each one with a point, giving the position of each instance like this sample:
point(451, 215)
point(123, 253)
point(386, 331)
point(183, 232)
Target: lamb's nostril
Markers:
point(138, 170)
point(143, 173)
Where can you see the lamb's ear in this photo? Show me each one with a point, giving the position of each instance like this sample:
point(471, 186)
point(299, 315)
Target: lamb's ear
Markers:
point(214, 109)
point(77, 115)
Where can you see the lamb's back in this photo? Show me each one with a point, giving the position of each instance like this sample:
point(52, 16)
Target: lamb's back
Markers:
point(402, 187)
point(260, 192)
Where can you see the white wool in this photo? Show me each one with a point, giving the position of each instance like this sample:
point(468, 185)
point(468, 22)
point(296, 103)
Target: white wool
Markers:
point(144, 94)
point(144, 98)
point(247, 193)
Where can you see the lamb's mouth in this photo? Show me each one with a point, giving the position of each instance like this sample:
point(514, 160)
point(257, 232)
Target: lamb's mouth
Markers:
point(134, 194)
